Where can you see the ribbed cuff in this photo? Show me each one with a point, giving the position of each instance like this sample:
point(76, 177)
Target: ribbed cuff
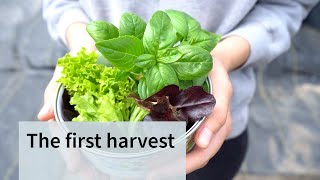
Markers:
point(259, 39)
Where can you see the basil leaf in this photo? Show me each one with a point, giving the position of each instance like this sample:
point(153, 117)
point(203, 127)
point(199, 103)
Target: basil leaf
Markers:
point(194, 63)
point(132, 24)
point(104, 61)
point(142, 89)
point(122, 75)
point(121, 52)
point(179, 22)
point(193, 26)
point(179, 38)
point(183, 23)
point(205, 40)
point(160, 76)
point(169, 56)
point(199, 81)
point(185, 84)
point(146, 60)
point(206, 87)
point(101, 30)
point(159, 33)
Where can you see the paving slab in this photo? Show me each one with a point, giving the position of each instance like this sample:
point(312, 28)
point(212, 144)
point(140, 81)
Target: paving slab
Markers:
point(284, 124)
point(304, 54)
point(21, 100)
point(36, 47)
point(313, 18)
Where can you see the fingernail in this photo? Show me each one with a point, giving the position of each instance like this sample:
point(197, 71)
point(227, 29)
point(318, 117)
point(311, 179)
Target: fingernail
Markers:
point(205, 137)
point(44, 110)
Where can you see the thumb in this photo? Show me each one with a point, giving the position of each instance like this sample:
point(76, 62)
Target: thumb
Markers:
point(46, 113)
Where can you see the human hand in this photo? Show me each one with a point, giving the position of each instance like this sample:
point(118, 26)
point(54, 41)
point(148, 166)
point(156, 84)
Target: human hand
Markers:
point(217, 126)
point(77, 37)
point(47, 113)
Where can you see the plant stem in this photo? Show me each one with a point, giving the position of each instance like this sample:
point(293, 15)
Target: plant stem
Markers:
point(138, 114)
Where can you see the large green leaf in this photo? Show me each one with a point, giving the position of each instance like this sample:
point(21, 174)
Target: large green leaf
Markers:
point(193, 26)
point(101, 30)
point(142, 89)
point(84, 103)
point(160, 76)
point(132, 24)
point(159, 33)
point(146, 61)
point(179, 22)
point(185, 84)
point(169, 55)
point(194, 63)
point(121, 52)
point(199, 81)
point(204, 39)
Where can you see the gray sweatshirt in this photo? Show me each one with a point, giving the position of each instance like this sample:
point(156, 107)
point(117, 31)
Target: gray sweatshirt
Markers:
point(268, 25)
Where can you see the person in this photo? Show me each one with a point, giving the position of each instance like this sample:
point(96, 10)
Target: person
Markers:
point(254, 32)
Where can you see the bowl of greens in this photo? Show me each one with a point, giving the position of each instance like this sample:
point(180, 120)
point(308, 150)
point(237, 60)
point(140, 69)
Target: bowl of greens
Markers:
point(155, 71)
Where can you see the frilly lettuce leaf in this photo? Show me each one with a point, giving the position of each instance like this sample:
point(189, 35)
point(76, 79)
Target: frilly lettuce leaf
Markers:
point(96, 90)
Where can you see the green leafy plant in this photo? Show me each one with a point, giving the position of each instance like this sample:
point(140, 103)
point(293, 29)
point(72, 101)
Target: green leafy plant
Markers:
point(101, 30)
point(131, 24)
point(98, 92)
point(170, 49)
point(165, 62)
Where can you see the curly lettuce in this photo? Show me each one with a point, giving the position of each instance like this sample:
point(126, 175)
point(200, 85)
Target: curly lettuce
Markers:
point(98, 93)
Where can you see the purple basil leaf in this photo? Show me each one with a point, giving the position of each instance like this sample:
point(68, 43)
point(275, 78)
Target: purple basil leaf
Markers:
point(171, 104)
point(160, 109)
point(193, 103)
point(194, 95)
point(196, 112)
point(170, 90)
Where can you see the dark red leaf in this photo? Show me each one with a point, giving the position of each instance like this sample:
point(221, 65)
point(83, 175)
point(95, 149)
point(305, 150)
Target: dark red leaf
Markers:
point(170, 91)
point(171, 104)
point(193, 103)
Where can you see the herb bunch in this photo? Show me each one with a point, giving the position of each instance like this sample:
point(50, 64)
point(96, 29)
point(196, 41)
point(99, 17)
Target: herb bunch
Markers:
point(171, 49)
point(162, 65)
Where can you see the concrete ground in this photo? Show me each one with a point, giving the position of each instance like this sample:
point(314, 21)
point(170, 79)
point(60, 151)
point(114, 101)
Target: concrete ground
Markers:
point(284, 119)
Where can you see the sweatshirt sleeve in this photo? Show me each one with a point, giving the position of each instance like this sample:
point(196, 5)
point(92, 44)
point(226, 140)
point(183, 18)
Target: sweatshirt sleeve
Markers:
point(270, 26)
point(60, 14)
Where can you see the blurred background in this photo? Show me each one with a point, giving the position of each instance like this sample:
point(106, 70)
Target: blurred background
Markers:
point(285, 113)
